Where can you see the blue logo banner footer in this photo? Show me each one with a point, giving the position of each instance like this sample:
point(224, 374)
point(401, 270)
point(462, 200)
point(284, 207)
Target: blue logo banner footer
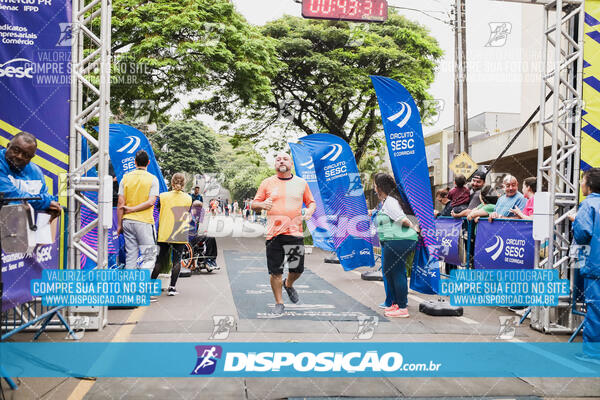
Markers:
point(296, 360)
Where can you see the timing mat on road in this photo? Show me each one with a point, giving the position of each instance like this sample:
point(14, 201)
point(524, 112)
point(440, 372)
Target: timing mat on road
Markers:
point(319, 300)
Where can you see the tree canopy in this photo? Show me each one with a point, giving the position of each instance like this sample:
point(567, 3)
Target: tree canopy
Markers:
point(324, 85)
point(243, 169)
point(165, 49)
point(185, 146)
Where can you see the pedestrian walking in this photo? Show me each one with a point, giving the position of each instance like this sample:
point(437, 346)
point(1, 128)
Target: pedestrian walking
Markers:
point(137, 194)
point(246, 210)
point(173, 228)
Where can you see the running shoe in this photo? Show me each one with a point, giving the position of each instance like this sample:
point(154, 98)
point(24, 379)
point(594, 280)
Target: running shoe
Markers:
point(399, 313)
point(213, 264)
point(279, 308)
point(383, 305)
point(393, 307)
point(292, 293)
point(153, 299)
point(172, 291)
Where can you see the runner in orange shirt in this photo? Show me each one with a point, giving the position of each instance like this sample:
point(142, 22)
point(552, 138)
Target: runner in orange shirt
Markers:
point(282, 196)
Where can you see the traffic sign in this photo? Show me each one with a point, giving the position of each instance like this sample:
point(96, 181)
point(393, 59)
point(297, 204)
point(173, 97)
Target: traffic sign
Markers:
point(463, 165)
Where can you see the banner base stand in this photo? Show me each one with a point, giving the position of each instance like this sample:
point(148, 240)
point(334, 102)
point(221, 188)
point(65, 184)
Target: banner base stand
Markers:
point(372, 276)
point(440, 308)
point(332, 259)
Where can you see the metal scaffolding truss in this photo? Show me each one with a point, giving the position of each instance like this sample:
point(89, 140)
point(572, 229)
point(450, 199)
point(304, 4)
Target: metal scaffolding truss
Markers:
point(90, 103)
point(560, 124)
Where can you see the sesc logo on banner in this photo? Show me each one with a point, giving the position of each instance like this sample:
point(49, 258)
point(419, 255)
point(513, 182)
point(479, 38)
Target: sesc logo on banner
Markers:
point(308, 164)
point(403, 115)
point(18, 68)
point(44, 253)
point(512, 249)
point(334, 153)
point(335, 169)
point(496, 248)
point(131, 146)
point(402, 143)
point(504, 245)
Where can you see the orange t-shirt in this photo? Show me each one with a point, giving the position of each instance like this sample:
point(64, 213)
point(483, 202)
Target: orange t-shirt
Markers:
point(285, 217)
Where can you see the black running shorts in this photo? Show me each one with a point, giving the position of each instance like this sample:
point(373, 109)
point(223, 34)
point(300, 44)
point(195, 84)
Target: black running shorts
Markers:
point(285, 250)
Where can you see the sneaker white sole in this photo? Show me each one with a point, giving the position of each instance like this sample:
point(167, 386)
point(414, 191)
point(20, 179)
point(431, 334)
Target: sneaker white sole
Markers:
point(397, 316)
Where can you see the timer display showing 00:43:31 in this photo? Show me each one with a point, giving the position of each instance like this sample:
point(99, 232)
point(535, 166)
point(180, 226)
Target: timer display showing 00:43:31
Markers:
point(351, 10)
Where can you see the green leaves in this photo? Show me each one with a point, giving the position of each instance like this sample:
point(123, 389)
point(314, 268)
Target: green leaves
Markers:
point(324, 85)
point(174, 48)
point(242, 167)
point(292, 76)
point(185, 146)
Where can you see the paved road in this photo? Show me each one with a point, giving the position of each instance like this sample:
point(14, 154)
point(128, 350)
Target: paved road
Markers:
point(331, 302)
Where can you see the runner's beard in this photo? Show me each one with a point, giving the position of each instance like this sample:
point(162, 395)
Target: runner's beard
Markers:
point(283, 168)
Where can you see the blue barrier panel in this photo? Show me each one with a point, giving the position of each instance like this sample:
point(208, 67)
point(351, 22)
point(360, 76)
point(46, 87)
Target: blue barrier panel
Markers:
point(20, 269)
point(504, 244)
point(448, 232)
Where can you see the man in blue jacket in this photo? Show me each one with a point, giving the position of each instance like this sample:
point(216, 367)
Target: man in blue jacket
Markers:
point(586, 231)
point(20, 178)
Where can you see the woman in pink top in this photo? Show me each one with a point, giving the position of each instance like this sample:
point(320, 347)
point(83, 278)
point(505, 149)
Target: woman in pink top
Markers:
point(529, 186)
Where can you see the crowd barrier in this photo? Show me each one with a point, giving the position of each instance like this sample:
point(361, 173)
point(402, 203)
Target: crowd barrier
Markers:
point(501, 244)
point(20, 310)
point(32, 315)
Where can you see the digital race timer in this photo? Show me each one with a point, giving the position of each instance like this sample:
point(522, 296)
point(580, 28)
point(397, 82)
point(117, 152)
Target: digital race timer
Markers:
point(351, 10)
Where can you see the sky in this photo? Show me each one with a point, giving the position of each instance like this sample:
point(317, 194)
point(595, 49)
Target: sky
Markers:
point(494, 78)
